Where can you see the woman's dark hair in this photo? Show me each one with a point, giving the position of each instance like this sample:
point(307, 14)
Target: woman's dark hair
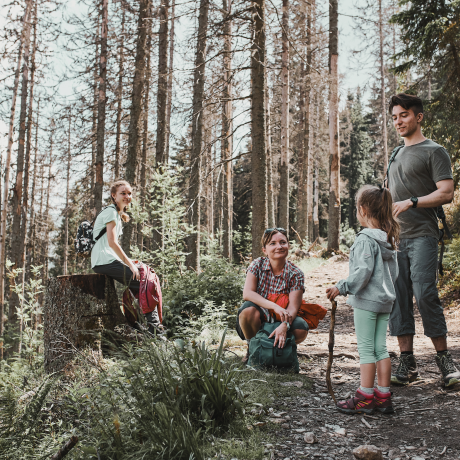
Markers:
point(406, 101)
point(113, 190)
point(268, 235)
point(378, 205)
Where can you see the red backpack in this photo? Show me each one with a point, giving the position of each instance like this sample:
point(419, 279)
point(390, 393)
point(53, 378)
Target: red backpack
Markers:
point(149, 296)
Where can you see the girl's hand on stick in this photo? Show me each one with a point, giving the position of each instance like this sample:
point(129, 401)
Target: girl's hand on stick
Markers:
point(332, 293)
point(280, 335)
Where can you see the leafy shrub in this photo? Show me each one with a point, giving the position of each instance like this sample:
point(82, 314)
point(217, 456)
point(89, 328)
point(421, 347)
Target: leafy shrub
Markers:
point(347, 235)
point(187, 296)
point(451, 259)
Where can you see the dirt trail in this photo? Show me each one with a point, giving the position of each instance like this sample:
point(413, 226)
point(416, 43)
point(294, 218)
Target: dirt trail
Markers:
point(426, 424)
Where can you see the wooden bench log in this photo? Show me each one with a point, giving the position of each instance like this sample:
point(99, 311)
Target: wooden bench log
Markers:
point(77, 311)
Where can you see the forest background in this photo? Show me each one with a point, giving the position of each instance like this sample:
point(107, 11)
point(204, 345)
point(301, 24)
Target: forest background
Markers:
point(227, 118)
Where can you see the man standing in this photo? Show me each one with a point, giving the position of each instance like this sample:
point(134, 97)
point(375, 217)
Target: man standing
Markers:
point(420, 179)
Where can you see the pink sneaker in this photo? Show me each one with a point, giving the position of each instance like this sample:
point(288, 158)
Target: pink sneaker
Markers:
point(383, 402)
point(362, 403)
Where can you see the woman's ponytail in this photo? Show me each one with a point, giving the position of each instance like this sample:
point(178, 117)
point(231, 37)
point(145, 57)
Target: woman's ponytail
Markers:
point(378, 203)
point(113, 190)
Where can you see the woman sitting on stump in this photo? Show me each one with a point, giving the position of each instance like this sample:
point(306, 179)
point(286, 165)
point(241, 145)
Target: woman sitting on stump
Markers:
point(107, 256)
point(273, 274)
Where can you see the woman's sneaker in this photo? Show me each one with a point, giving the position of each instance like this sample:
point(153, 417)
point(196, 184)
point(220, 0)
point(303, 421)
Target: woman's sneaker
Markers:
point(407, 370)
point(362, 403)
point(382, 402)
point(450, 373)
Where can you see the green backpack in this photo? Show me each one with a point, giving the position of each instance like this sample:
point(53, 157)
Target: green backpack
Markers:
point(262, 353)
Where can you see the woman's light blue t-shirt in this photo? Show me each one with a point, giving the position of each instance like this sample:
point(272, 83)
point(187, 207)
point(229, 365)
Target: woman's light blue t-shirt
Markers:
point(102, 253)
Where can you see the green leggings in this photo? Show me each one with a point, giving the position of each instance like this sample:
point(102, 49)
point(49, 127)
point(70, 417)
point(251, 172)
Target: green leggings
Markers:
point(371, 332)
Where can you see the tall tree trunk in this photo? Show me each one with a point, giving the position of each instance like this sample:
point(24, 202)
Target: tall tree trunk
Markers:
point(382, 90)
point(270, 189)
point(101, 106)
point(31, 240)
point(305, 167)
point(258, 119)
point(25, 196)
point(334, 159)
point(46, 218)
point(162, 93)
point(145, 141)
point(135, 125)
point(17, 250)
point(120, 95)
point(227, 128)
point(193, 258)
point(170, 80)
point(66, 223)
point(284, 165)
point(316, 183)
point(94, 119)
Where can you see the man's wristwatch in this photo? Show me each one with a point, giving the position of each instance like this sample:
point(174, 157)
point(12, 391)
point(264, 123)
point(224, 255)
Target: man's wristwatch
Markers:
point(287, 324)
point(414, 200)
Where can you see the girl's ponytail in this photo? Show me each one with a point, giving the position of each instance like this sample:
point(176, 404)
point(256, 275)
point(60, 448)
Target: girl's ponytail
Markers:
point(113, 191)
point(378, 203)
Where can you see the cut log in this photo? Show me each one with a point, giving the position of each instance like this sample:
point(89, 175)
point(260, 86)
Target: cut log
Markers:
point(77, 311)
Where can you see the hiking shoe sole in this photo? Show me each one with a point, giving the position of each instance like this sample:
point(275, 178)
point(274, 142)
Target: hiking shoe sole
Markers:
point(452, 381)
point(396, 381)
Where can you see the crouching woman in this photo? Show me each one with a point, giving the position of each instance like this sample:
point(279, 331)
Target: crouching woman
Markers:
point(272, 274)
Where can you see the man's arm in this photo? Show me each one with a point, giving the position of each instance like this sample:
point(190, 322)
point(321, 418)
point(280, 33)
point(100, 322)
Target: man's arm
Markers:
point(444, 194)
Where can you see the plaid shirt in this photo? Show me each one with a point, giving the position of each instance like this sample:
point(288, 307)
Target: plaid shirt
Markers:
point(290, 279)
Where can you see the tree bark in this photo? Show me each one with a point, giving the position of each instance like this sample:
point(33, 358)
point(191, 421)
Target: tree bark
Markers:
point(382, 91)
point(316, 182)
point(135, 125)
point(334, 155)
point(258, 119)
point(77, 311)
point(66, 223)
point(101, 106)
point(94, 121)
point(145, 141)
point(284, 164)
point(162, 92)
point(18, 187)
point(193, 246)
point(227, 129)
point(120, 95)
point(270, 190)
point(170, 80)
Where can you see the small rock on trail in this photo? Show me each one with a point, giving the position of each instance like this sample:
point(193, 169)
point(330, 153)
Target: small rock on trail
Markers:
point(368, 453)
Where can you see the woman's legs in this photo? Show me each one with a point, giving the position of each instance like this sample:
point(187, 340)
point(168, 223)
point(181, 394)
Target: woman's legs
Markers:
point(119, 272)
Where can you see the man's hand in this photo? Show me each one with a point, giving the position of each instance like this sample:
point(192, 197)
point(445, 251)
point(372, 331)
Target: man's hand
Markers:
point(280, 335)
point(401, 206)
point(332, 293)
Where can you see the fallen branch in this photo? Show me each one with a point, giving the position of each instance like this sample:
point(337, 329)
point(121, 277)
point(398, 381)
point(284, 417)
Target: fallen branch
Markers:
point(312, 245)
point(65, 449)
point(331, 351)
point(298, 236)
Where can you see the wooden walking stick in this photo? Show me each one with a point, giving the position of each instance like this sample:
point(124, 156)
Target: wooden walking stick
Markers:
point(331, 351)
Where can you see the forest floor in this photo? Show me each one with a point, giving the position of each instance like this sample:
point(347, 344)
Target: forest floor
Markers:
point(426, 424)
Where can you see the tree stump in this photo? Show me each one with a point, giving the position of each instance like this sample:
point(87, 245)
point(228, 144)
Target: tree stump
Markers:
point(77, 311)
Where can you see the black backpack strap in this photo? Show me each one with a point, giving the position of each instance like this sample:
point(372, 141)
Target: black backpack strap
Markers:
point(392, 157)
point(104, 230)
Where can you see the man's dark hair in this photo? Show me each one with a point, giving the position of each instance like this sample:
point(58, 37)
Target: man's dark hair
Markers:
point(406, 101)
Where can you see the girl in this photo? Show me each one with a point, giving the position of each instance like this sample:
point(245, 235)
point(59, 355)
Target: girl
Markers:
point(273, 274)
point(107, 256)
point(373, 272)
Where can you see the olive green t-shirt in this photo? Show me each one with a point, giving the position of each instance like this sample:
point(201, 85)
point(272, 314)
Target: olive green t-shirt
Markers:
point(415, 172)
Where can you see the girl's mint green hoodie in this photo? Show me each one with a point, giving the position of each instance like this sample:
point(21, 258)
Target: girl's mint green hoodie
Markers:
point(373, 273)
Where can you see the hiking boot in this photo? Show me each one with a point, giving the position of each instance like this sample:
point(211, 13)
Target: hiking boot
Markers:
point(450, 374)
point(382, 402)
point(362, 403)
point(407, 370)
point(245, 358)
